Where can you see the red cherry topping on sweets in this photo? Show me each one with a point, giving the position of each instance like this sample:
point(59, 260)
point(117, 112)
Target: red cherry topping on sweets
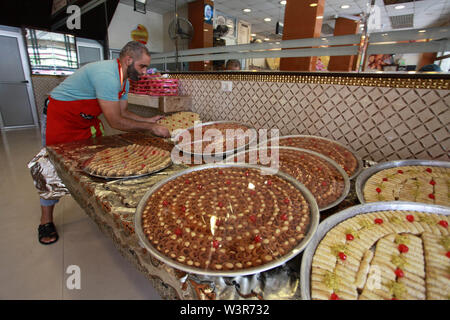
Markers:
point(284, 217)
point(252, 218)
point(334, 296)
point(228, 182)
point(153, 152)
point(187, 181)
point(220, 204)
point(432, 182)
point(400, 171)
point(247, 173)
point(378, 190)
point(342, 256)
point(220, 172)
point(448, 254)
point(215, 244)
point(431, 196)
point(145, 157)
point(349, 237)
point(178, 231)
point(399, 273)
point(429, 170)
point(378, 221)
point(143, 166)
point(403, 248)
point(165, 203)
point(410, 218)
point(199, 187)
point(219, 222)
point(443, 223)
point(183, 208)
point(324, 183)
point(269, 182)
point(286, 200)
point(385, 179)
point(258, 238)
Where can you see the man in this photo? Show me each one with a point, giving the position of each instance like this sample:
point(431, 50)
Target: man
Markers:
point(73, 108)
point(233, 64)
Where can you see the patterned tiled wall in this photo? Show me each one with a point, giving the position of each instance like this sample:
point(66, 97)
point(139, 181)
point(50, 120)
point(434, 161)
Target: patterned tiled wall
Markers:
point(378, 123)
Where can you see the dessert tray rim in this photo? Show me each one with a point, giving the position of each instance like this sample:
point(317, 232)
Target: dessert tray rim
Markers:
point(331, 161)
point(369, 172)
point(144, 242)
point(358, 158)
point(226, 152)
point(329, 223)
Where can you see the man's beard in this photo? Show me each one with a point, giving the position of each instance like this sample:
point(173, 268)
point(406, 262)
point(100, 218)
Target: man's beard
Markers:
point(133, 74)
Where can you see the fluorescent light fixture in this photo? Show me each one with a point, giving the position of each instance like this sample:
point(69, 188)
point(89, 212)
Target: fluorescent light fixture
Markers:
point(400, 7)
point(267, 19)
point(253, 34)
point(319, 17)
point(247, 10)
point(313, 5)
point(345, 6)
point(283, 3)
point(422, 31)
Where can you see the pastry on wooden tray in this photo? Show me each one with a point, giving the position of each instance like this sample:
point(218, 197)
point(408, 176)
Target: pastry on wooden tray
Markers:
point(126, 161)
point(425, 184)
point(384, 255)
point(180, 120)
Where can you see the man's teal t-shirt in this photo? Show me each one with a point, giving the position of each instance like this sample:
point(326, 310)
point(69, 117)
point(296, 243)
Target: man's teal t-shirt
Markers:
point(96, 80)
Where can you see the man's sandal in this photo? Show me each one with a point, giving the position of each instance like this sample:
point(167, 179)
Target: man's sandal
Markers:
point(47, 230)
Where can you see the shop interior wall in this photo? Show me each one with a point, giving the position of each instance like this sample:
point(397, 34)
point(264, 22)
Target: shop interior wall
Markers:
point(378, 123)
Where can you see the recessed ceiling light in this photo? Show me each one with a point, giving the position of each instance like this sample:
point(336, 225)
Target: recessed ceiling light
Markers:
point(267, 19)
point(313, 5)
point(283, 3)
point(247, 10)
point(345, 6)
point(319, 17)
point(399, 7)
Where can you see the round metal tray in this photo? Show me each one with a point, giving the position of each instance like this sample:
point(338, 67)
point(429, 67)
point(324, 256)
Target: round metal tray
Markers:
point(332, 221)
point(314, 221)
point(124, 177)
point(331, 161)
point(224, 153)
point(367, 173)
point(358, 159)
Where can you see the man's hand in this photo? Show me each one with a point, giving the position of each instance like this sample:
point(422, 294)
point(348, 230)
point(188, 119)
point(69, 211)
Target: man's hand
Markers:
point(160, 131)
point(154, 119)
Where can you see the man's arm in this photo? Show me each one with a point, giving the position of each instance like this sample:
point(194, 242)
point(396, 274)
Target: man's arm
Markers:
point(112, 112)
point(130, 115)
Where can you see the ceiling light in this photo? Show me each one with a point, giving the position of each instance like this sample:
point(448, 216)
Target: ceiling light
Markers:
point(247, 10)
point(313, 5)
point(253, 34)
point(319, 17)
point(283, 3)
point(267, 19)
point(399, 7)
point(421, 31)
point(266, 39)
point(345, 6)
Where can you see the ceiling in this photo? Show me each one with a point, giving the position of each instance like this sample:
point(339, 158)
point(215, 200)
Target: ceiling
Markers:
point(416, 13)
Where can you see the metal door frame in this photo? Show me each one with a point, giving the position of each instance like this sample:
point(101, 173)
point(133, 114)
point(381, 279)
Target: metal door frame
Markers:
point(27, 74)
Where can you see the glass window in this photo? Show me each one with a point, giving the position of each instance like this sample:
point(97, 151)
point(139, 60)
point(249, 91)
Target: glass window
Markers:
point(51, 53)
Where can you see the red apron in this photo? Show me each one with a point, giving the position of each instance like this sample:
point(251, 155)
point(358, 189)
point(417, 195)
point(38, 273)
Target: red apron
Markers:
point(75, 120)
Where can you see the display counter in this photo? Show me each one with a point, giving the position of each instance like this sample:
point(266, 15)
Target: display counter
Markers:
point(112, 206)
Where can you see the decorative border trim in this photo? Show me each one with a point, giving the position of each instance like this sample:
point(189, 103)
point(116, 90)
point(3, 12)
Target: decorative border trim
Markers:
point(416, 81)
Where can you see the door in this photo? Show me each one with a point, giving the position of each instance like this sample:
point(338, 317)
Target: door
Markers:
point(17, 106)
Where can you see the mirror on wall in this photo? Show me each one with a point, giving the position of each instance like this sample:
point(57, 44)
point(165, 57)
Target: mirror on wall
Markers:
point(315, 35)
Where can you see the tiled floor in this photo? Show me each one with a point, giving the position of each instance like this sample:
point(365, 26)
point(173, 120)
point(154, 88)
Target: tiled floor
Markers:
point(29, 270)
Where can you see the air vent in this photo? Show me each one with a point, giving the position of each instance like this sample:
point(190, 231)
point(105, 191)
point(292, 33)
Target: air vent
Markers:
point(403, 21)
point(391, 2)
